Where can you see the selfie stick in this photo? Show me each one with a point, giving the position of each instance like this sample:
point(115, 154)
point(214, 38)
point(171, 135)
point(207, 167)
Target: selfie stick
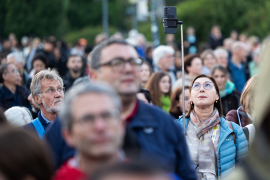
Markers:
point(183, 70)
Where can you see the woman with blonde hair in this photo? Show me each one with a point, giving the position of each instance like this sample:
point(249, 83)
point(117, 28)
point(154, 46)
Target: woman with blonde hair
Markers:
point(159, 86)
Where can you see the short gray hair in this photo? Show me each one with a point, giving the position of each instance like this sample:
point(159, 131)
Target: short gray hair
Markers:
point(96, 53)
point(18, 57)
point(219, 51)
point(160, 51)
point(44, 74)
point(91, 87)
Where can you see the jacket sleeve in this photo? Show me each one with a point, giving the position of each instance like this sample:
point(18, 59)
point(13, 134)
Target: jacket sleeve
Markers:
point(185, 167)
point(241, 142)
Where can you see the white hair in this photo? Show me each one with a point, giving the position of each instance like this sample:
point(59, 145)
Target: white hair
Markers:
point(160, 51)
point(18, 116)
point(18, 57)
point(219, 51)
point(238, 44)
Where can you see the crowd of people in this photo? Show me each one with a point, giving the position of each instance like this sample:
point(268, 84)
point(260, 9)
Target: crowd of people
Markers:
point(114, 110)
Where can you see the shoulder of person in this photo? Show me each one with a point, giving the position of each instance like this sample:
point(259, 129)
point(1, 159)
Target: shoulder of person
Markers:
point(232, 116)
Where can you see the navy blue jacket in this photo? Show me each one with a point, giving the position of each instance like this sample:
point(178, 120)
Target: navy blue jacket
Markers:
point(32, 128)
point(158, 135)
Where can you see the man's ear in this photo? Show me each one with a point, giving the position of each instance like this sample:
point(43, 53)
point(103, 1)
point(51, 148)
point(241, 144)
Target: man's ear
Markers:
point(67, 137)
point(5, 76)
point(38, 99)
point(93, 74)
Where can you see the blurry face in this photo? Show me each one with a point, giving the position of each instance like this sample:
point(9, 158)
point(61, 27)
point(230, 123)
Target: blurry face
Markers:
point(38, 65)
point(101, 137)
point(34, 106)
point(166, 62)
point(165, 84)
point(243, 53)
point(48, 47)
point(196, 67)
point(142, 97)
point(187, 100)
point(12, 75)
point(75, 64)
point(203, 98)
point(222, 59)
point(144, 73)
point(220, 79)
point(209, 61)
point(125, 82)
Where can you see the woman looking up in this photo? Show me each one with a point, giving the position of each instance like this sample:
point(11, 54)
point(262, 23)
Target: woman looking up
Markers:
point(209, 136)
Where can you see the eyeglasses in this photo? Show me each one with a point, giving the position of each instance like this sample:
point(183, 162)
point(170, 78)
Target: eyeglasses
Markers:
point(106, 116)
point(118, 64)
point(53, 90)
point(197, 86)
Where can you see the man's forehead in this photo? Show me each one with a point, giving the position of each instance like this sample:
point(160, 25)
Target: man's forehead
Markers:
point(50, 82)
point(118, 50)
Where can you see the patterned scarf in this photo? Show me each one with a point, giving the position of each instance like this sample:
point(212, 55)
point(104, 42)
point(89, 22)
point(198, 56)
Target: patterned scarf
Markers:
point(206, 152)
point(229, 87)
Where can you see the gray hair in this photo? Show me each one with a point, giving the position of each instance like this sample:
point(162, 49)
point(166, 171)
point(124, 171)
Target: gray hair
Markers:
point(96, 53)
point(91, 87)
point(160, 51)
point(18, 57)
point(219, 51)
point(44, 74)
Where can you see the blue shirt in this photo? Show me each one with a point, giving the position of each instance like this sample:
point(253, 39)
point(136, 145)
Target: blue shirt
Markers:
point(238, 76)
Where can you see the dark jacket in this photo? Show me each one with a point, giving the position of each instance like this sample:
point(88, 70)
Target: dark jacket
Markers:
point(158, 136)
point(68, 80)
point(230, 102)
point(8, 99)
point(32, 128)
point(214, 43)
point(232, 116)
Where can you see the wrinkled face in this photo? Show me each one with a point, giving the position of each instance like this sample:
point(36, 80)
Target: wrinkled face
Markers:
point(51, 96)
point(209, 61)
point(142, 97)
point(75, 64)
point(38, 66)
point(12, 75)
point(102, 136)
point(165, 84)
point(222, 59)
point(196, 66)
point(187, 101)
point(203, 97)
point(144, 73)
point(167, 61)
point(220, 79)
point(126, 81)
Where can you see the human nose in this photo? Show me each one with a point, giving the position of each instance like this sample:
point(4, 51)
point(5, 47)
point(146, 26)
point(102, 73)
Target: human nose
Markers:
point(127, 67)
point(201, 88)
point(99, 124)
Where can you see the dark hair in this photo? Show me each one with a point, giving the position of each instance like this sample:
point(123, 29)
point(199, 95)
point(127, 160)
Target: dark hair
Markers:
point(74, 55)
point(23, 154)
point(188, 60)
point(3, 70)
point(146, 94)
point(131, 169)
point(152, 86)
point(217, 105)
point(40, 56)
point(150, 67)
point(174, 100)
point(51, 40)
point(96, 53)
point(219, 67)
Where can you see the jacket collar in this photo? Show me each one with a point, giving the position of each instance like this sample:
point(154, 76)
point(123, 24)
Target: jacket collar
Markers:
point(42, 120)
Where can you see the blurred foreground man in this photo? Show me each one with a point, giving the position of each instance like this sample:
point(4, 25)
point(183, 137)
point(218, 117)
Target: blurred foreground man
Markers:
point(48, 92)
point(94, 129)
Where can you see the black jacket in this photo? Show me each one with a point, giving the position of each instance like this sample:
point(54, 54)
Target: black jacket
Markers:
point(68, 80)
point(8, 99)
point(230, 102)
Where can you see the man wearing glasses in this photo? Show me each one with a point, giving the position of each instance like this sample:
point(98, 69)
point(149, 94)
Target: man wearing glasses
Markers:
point(48, 92)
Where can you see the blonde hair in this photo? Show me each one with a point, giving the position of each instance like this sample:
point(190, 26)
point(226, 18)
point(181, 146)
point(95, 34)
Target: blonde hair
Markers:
point(247, 97)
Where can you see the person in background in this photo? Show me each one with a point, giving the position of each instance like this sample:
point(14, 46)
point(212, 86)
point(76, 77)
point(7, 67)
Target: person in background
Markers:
point(39, 63)
point(159, 86)
point(254, 65)
point(23, 156)
point(79, 48)
point(234, 35)
point(17, 59)
point(193, 68)
point(176, 107)
point(11, 94)
point(238, 66)
point(145, 73)
point(209, 60)
point(191, 41)
point(163, 57)
point(245, 114)
point(25, 46)
point(48, 92)
point(94, 129)
point(34, 47)
point(149, 55)
point(48, 49)
point(35, 108)
point(140, 45)
point(74, 65)
point(144, 95)
point(18, 116)
point(6, 46)
point(215, 39)
point(61, 61)
point(230, 98)
point(222, 57)
point(227, 44)
point(209, 136)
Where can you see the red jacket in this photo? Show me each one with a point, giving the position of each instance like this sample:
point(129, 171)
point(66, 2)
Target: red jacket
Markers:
point(232, 116)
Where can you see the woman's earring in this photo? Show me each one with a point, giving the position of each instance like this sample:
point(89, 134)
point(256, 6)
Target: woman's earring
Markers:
point(191, 102)
point(216, 101)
